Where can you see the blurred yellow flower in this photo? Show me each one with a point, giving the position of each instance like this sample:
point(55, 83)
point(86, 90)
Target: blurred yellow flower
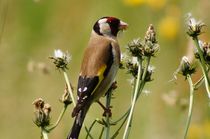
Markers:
point(156, 4)
point(134, 2)
point(206, 129)
point(199, 131)
point(195, 132)
point(169, 27)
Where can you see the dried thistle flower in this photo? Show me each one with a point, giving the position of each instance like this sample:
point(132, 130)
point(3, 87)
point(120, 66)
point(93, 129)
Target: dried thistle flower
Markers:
point(147, 47)
point(42, 113)
point(151, 49)
point(151, 45)
point(205, 47)
point(150, 34)
point(61, 59)
point(47, 109)
point(148, 76)
point(136, 48)
point(194, 27)
point(66, 98)
point(123, 60)
point(38, 103)
point(186, 68)
point(132, 66)
point(206, 50)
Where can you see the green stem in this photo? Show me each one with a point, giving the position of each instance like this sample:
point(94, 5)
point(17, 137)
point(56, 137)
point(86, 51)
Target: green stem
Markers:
point(44, 134)
point(138, 89)
point(108, 102)
point(69, 87)
point(124, 115)
point(101, 134)
point(146, 68)
point(90, 128)
point(190, 105)
point(125, 135)
point(118, 130)
point(59, 119)
point(203, 65)
point(198, 83)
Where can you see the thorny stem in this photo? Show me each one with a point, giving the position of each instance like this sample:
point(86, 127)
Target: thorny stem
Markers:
point(108, 102)
point(44, 134)
point(189, 79)
point(59, 119)
point(69, 87)
point(203, 66)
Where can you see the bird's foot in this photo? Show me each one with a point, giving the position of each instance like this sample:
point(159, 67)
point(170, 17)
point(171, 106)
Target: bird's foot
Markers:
point(107, 111)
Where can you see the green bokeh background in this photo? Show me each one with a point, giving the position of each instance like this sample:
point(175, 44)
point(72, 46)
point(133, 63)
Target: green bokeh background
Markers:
point(30, 30)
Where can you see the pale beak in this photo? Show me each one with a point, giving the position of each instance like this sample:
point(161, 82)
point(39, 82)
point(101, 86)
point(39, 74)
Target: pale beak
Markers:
point(123, 25)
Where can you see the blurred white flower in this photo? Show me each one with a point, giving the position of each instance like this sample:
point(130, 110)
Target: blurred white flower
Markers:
point(185, 59)
point(134, 60)
point(58, 53)
point(61, 59)
point(151, 68)
point(146, 92)
point(124, 57)
point(131, 81)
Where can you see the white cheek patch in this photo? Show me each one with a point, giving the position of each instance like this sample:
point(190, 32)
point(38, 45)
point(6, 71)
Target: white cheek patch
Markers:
point(105, 28)
point(101, 21)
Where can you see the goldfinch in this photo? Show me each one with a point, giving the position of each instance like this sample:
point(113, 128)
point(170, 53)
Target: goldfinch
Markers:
point(99, 67)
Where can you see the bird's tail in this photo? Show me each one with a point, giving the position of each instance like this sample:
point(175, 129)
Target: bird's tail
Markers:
point(79, 119)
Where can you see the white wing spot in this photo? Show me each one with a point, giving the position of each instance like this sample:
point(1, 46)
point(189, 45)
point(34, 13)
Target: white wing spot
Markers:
point(85, 89)
point(84, 97)
point(80, 89)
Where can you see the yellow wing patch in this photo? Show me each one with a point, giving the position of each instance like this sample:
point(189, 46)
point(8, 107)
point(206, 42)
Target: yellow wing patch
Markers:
point(101, 72)
point(100, 75)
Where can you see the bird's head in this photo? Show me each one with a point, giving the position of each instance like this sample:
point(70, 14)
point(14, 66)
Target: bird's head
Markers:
point(109, 26)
